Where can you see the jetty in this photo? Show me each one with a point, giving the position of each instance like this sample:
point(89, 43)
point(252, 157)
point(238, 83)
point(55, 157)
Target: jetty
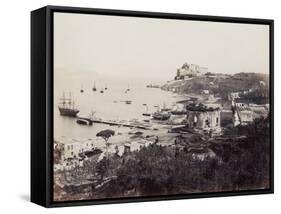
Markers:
point(113, 123)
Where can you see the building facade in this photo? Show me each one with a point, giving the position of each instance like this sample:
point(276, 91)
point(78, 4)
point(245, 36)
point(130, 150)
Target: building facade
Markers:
point(74, 149)
point(204, 118)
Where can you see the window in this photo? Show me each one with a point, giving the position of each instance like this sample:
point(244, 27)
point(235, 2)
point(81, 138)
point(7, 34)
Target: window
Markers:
point(194, 121)
point(207, 123)
point(217, 121)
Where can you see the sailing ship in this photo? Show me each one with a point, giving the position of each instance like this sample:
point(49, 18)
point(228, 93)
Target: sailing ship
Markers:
point(94, 87)
point(165, 108)
point(67, 107)
point(146, 112)
point(128, 89)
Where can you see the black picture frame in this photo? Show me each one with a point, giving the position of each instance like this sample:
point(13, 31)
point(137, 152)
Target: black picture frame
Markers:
point(42, 102)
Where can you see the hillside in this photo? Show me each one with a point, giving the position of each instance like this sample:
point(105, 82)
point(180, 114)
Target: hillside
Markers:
point(219, 84)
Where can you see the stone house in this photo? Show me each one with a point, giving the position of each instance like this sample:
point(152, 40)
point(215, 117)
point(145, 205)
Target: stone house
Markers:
point(204, 117)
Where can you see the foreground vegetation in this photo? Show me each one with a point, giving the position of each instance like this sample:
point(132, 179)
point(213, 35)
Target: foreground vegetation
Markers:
point(240, 163)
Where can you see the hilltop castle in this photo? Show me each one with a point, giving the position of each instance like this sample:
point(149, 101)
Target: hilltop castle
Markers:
point(187, 71)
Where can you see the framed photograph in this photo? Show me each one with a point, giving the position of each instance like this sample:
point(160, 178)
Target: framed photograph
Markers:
point(134, 106)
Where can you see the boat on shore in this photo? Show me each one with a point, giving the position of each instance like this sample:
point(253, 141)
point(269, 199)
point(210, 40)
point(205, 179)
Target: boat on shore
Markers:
point(163, 114)
point(67, 107)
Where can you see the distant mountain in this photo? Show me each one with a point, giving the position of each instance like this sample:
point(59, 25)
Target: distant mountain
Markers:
point(219, 84)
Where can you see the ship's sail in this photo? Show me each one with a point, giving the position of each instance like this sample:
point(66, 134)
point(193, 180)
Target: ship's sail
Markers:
point(67, 106)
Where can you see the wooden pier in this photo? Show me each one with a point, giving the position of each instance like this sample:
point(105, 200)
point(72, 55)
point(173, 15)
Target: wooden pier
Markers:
point(112, 123)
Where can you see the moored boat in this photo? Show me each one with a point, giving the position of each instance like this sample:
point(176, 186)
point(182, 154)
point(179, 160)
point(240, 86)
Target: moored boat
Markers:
point(146, 112)
point(161, 115)
point(94, 87)
point(67, 108)
point(83, 121)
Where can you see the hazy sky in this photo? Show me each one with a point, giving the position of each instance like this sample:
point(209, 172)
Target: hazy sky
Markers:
point(127, 47)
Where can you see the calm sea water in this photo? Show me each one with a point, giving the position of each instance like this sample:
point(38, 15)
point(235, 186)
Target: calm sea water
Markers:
point(109, 105)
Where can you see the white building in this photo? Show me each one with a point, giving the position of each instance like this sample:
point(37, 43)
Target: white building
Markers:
point(187, 71)
point(71, 148)
point(243, 114)
point(242, 117)
point(241, 105)
point(234, 95)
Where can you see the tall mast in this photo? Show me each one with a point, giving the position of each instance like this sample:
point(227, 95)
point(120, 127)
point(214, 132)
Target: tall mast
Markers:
point(63, 99)
point(69, 100)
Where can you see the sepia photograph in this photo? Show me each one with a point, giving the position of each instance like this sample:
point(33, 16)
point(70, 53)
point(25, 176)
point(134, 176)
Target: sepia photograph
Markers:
point(158, 107)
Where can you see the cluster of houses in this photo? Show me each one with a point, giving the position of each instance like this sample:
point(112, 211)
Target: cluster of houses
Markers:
point(244, 112)
point(207, 116)
point(74, 152)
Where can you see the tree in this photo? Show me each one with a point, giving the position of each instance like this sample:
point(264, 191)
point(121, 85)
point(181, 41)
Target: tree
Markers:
point(106, 134)
point(101, 168)
point(57, 153)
